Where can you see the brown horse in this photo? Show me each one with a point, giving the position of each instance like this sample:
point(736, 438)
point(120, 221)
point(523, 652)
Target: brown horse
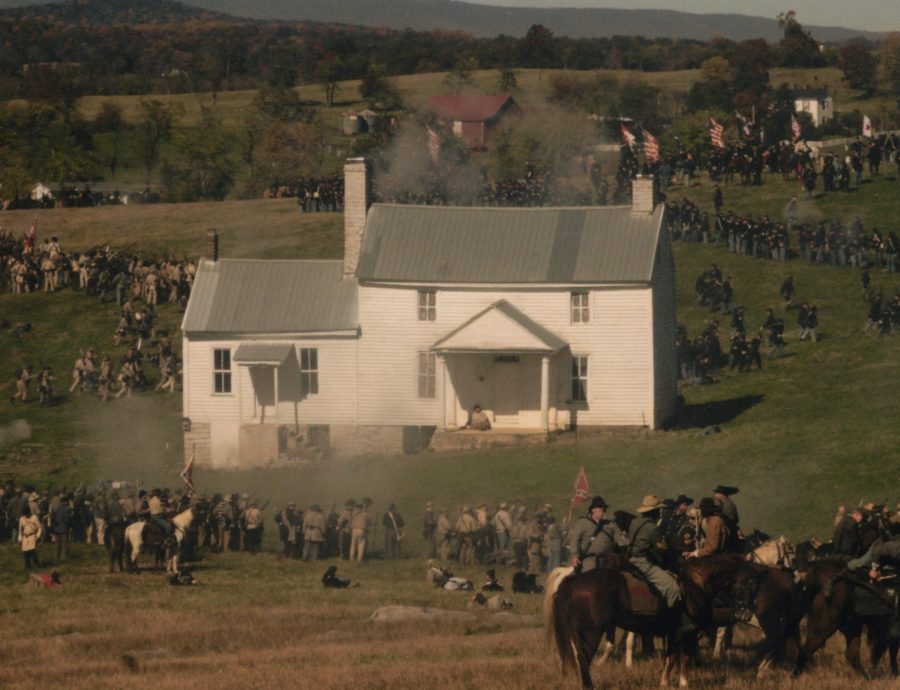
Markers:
point(722, 584)
point(830, 597)
point(587, 607)
point(115, 545)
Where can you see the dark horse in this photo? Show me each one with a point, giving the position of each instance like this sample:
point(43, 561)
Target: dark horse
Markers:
point(586, 607)
point(115, 545)
point(831, 598)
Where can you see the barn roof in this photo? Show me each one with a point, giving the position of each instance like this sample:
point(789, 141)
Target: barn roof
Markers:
point(444, 244)
point(265, 296)
point(472, 108)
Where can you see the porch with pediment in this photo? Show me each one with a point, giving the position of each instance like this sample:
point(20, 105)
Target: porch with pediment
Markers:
point(504, 361)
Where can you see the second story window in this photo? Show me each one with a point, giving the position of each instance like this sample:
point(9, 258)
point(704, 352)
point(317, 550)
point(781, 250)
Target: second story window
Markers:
point(427, 305)
point(309, 370)
point(581, 310)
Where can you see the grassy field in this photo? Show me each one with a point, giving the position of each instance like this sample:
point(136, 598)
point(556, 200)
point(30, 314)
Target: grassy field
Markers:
point(806, 432)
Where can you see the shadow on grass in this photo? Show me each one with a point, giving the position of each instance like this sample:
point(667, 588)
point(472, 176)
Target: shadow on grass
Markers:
point(716, 412)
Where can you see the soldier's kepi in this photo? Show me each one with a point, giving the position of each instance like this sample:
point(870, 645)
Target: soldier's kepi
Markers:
point(592, 537)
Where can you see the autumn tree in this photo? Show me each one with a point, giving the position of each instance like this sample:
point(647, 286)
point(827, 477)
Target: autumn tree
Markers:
point(859, 67)
point(797, 47)
point(154, 130)
point(201, 166)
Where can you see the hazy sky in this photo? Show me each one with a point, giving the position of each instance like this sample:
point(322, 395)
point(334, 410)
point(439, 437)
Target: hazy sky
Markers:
point(873, 15)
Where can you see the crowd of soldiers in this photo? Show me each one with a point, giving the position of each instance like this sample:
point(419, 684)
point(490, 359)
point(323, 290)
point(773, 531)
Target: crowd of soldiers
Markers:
point(321, 195)
point(829, 242)
point(137, 284)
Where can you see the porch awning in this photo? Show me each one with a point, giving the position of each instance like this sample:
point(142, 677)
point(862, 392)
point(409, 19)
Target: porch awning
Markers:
point(270, 354)
point(500, 328)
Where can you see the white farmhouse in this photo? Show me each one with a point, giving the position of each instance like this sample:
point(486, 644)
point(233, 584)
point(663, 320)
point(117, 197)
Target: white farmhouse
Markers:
point(545, 317)
point(816, 102)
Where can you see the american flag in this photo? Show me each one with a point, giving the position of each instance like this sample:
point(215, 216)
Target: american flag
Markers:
point(582, 491)
point(434, 145)
point(795, 128)
point(715, 134)
point(188, 471)
point(627, 136)
point(651, 147)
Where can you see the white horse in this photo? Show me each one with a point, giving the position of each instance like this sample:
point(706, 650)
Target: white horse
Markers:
point(134, 536)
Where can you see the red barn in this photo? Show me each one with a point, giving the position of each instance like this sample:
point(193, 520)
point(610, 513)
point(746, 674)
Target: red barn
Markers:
point(473, 117)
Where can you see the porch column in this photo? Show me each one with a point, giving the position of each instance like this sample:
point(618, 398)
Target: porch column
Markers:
point(441, 391)
point(545, 394)
point(275, 380)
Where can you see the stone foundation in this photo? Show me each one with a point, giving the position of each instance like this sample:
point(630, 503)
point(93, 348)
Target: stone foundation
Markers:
point(197, 441)
point(351, 441)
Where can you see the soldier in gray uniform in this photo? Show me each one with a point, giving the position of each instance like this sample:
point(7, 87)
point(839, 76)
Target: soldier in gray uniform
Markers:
point(644, 538)
point(591, 537)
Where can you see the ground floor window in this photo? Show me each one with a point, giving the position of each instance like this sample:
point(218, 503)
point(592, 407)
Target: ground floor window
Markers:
point(579, 378)
point(427, 375)
point(222, 370)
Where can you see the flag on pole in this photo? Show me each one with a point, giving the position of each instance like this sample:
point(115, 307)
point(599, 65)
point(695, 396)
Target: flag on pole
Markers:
point(651, 147)
point(434, 145)
point(188, 471)
point(627, 136)
point(30, 236)
point(582, 492)
point(867, 127)
point(795, 128)
point(715, 134)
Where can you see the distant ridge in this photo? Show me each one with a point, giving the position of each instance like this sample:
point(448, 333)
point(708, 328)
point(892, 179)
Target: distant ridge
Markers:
point(450, 15)
point(108, 12)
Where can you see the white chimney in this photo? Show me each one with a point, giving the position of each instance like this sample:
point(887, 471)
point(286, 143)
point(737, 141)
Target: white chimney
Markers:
point(357, 197)
point(644, 194)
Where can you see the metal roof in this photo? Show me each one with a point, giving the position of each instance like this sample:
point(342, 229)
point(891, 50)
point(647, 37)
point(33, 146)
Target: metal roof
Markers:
point(481, 333)
point(265, 296)
point(453, 244)
point(263, 353)
point(469, 108)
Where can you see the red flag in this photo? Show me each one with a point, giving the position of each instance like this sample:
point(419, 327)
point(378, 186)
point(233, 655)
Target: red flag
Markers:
point(434, 145)
point(582, 491)
point(867, 130)
point(28, 241)
point(627, 136)
point(795, 128)
point(651, 147)
point(715, 134)
point(188, 471)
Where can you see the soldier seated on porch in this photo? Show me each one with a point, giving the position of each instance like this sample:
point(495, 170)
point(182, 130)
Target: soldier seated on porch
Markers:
point(478, 419)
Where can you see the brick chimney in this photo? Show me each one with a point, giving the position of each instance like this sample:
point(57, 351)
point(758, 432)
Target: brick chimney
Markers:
point(212, 245)
point(357, 198)
point(644, 194)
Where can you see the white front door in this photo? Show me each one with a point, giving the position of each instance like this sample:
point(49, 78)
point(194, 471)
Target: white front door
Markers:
point(507, 393)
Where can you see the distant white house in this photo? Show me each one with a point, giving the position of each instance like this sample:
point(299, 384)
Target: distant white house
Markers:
point(39, 191)
point(816, 102)
point(546, 317)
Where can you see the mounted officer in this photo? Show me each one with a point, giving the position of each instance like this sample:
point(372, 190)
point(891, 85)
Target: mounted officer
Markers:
point(592, 538)
point(645, 555)
point(713, 534)
point(679, 531)
point(722, 495)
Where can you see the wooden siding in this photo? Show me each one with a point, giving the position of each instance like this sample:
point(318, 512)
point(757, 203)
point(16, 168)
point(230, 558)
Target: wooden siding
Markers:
point(618, 340)
point(665, 358)
point(335, 402)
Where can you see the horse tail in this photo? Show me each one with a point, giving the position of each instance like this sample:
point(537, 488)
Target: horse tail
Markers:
point(563, 625)
point(555, 577)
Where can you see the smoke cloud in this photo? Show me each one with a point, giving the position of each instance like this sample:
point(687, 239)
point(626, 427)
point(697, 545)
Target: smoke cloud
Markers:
point(18, 430)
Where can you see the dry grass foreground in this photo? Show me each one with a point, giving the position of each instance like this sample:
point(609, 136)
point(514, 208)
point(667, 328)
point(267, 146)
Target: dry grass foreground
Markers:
point(262, 622)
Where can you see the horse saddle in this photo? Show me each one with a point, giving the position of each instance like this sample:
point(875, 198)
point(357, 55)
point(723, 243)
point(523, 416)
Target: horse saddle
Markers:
point(644, 599)
point(877, 600)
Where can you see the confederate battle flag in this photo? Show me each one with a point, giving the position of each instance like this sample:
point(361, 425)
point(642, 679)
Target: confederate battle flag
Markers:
point(582, 491)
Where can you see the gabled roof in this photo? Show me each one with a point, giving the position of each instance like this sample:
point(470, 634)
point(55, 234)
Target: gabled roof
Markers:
point(452, 244)
point(264, 296)
point(500, 328)
point(473, 108)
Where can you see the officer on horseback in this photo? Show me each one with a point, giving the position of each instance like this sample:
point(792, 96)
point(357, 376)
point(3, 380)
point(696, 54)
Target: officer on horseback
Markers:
point(644, 554)
point(157, 512)
point(592, 537)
